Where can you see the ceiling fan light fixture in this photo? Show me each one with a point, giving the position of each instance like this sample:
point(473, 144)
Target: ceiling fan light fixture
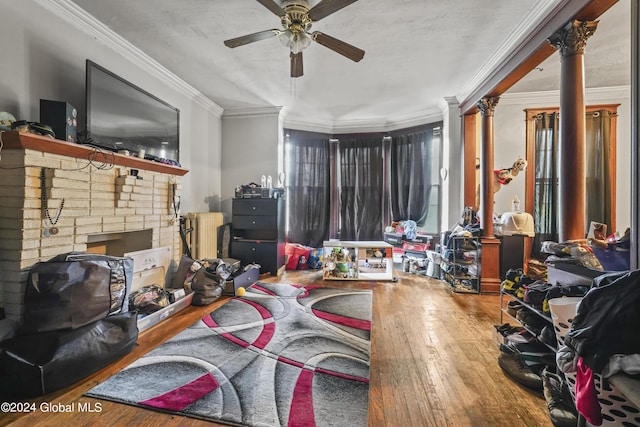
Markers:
point(295, 41)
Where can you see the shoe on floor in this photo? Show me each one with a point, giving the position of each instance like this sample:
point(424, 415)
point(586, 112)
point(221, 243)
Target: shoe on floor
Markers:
point(516, 368)
point(562, 411)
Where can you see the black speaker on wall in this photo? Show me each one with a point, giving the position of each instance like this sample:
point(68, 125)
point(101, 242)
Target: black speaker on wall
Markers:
point(61, 116)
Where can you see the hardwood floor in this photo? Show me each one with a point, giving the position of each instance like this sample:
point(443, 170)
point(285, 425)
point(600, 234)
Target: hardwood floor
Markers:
point(433, 363)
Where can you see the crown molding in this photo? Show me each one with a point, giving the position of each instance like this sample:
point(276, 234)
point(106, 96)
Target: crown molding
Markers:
point(252, 112)
point(600, 95)
point(86, 23)
point(307, 125)
point(512, 42)
point(552, 97)
point(365, 125)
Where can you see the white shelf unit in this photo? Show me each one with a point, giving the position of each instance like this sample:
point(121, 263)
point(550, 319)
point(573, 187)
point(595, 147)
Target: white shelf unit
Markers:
point(357, 260)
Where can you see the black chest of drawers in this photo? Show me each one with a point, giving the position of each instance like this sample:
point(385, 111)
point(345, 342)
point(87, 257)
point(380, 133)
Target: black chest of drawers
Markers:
point(257, 227)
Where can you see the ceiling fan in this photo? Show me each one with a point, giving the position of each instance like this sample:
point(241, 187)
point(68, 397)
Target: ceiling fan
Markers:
point(296, 17)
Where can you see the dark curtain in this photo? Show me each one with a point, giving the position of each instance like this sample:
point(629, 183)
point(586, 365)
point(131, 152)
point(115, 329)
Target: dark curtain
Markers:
point(361, 178)
point(414, 177)
point(308, 187)
point(598, 196)
point(545, 208)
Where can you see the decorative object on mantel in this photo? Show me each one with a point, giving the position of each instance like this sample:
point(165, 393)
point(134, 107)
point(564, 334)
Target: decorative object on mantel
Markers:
point(6, 119)
point(296, 17)
point(33, 127)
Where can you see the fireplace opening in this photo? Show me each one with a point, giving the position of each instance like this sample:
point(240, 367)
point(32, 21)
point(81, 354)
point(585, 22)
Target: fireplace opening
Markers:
point(119, 243)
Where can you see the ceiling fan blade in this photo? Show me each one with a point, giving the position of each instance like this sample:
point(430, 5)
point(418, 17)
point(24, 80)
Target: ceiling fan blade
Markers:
point(296, 64)
point(250, 38)
point(327, 7)
point(273, 7)
point(344, 49)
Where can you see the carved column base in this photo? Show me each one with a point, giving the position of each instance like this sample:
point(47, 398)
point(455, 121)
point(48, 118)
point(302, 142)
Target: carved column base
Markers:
point(490, 266)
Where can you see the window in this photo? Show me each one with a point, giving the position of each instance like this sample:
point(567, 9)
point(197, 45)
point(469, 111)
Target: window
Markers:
point(542, 179)
point(375, 178)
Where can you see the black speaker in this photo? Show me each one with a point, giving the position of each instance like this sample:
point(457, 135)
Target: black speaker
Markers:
point(61, 116)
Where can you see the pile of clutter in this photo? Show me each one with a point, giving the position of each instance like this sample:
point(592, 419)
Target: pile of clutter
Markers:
point(528, 352)
point(411, 248)
point(209, 279)
point(597, 252)
point(302, 257)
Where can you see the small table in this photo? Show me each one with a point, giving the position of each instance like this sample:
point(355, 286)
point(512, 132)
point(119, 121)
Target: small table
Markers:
point(357, 260)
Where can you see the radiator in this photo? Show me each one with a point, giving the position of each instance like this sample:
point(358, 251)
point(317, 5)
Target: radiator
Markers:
point(203, 238)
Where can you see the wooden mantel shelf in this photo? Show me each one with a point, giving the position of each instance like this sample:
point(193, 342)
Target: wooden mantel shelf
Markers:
point(18, 140)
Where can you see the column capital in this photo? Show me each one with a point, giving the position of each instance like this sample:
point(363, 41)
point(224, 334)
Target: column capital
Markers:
point(572, 38)
point(487, 105)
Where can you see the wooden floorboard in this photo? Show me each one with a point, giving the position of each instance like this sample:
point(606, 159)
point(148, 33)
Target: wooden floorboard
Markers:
point(433, 363)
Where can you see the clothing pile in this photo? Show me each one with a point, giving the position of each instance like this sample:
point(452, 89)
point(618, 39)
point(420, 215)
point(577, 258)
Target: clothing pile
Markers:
point(603, 339)
point(577, 253)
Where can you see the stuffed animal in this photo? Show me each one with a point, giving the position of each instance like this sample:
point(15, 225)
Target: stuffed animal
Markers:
point(504, 176)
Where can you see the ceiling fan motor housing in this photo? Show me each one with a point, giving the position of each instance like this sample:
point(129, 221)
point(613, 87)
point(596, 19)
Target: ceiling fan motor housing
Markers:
point(297, 16)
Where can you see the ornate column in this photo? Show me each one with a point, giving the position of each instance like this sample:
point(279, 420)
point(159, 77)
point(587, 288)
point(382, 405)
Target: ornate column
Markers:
point(490, 259)
point(571, 41)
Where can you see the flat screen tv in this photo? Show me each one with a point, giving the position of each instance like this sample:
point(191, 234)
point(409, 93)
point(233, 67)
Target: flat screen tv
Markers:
point(122, 116)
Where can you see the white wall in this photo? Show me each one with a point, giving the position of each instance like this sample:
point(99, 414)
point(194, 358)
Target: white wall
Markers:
point(252, 147)
point(452, 181)
point(43, 56)
point(510, 142)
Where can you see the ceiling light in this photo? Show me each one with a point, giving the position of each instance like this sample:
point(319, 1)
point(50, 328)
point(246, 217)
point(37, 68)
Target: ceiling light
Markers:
point(296, 41)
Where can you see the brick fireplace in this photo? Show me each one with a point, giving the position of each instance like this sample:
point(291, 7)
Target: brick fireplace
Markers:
point(113, 204)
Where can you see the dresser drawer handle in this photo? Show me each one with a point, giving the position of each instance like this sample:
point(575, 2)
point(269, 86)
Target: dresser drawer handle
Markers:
point(253, 207)
point(253, 222)
point(253, 249)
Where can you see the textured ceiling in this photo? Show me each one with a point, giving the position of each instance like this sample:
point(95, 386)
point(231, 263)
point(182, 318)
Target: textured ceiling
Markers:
point(607, 57)
point(418, 52)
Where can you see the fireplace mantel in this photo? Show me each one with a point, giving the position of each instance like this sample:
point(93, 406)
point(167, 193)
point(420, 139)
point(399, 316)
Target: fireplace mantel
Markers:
point(19, 140)
point(104, 207)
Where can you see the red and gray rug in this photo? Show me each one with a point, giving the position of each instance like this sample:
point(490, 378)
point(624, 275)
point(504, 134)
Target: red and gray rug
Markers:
point(282, 355)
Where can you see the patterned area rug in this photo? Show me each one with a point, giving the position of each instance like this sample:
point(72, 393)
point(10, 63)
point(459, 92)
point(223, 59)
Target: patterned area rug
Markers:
point(282, 355)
